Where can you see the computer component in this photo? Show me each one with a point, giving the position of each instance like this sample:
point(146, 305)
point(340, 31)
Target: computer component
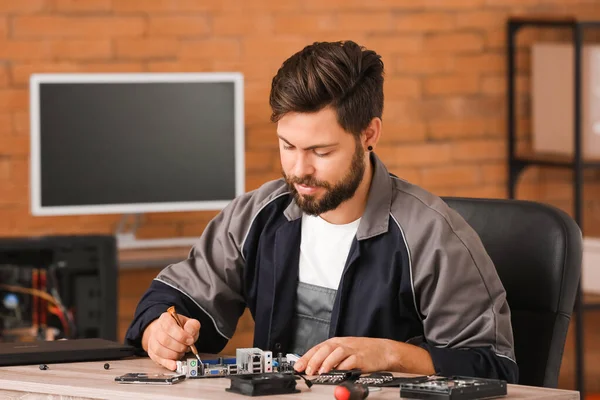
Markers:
point(263, 384)
point(57, 287)
point(165, 378)
point(62, 351)
point(247, 361)
point(387, 379)
point(335, 377)
point(454, 388)
point(130, 143)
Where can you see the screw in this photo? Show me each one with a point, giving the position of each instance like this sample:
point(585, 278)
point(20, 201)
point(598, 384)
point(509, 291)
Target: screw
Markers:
point(106, 365)
point(43, 367)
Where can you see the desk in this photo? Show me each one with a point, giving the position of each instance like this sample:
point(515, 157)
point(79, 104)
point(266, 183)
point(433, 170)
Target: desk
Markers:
point(91, 381)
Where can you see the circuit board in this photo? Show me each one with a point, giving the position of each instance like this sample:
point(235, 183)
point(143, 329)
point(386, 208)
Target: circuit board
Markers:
point(247, 361)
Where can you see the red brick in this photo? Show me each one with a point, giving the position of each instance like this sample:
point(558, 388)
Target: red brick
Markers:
point(456, 107)
point(221, 49)
point(258, 70)
point(20, 122)
point(256, 91)
point(256, 180)
point(3, 78)
point(170, 6)
point(481, 19)
point(483, 63)
point(411, 175)
point(82, 49)
point(450, 176)
point(22, 6)
point(157, 231)
point(272, 6)
point(19, 170)
point(493, 85)
point(259, 160)
point(261, 137)
point(147, 48)
point(401, 88)
point(445, 85)
point(424, 22)
point(458, 129)
point(400, 132)
point(45, 26)
point(20, 50)
point(196, 25)
point(304, 24)
point(454, 4)
point(238, 24)
point(495, 39)
point(3, 28)
point(384, 5)
point(475, 150)
point(20, 73)
point(5, 123)
point(82, 5)
point(361, 21)
point(180, 66)
point(494, 173)
point(424, 64)
point(280, 48)
point(415, 155)
point(13, 100)
point(4, 170)
point(454, 43)
point(257, 113)
point(111, 66)
point(14, 145)
point(388, 46)
point(193, 229)
point(12, 194)
point(195, 216)
point(400, 110)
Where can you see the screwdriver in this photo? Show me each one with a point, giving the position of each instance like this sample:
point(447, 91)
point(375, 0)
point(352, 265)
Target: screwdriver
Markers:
point(171, 310)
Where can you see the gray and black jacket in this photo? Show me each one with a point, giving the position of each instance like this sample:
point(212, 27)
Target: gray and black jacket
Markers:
point(416, 273)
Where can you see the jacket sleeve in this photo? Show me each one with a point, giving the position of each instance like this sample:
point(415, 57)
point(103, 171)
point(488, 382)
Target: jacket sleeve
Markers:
point(458, 296)
point(209, 284)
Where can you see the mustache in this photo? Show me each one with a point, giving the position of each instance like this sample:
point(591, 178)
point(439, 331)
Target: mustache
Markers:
point(308, 181)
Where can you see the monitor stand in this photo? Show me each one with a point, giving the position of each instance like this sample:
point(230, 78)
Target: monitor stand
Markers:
point(126, 236)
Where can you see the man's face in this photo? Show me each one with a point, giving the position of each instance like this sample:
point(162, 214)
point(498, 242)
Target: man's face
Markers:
point(322, 164)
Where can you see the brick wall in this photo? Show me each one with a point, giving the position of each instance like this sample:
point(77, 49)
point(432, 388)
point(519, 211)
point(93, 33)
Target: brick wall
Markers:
point(444, 122)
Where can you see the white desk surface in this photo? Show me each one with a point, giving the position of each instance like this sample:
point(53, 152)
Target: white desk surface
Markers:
point(90, 380)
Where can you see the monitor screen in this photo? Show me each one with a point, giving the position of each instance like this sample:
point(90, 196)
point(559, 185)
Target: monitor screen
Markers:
point(133, 143)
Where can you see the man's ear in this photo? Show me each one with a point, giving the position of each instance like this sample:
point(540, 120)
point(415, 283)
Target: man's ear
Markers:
point(370, 136)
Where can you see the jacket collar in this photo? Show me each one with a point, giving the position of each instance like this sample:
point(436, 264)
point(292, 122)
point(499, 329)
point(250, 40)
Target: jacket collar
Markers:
point(376, 217)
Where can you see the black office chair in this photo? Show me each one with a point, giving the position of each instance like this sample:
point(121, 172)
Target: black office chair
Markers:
point(537, 250)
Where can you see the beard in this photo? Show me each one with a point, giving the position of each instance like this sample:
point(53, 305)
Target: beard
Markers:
point(334, 194)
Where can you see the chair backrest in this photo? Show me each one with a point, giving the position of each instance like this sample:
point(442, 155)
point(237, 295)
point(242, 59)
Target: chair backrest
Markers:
point(537, 251)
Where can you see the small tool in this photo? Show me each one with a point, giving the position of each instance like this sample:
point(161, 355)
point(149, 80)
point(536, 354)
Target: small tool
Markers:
point(171, 310)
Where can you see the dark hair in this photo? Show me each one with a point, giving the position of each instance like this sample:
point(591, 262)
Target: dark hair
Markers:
point(343, 75)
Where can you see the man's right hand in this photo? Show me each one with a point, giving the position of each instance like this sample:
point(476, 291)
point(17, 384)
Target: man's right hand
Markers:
point(165, 342)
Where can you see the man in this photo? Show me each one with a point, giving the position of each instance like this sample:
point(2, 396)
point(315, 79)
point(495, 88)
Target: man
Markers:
point(339, 261)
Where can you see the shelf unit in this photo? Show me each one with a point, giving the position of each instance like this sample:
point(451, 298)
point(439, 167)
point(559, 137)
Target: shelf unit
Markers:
point(518, 162)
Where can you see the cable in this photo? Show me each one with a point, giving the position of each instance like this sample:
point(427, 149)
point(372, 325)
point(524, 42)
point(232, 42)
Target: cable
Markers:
point(34, 292)
point(306, 380)
point(54, 290)
point(56, 311)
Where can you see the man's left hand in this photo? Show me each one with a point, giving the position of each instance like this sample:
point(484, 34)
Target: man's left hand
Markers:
point(368, 354)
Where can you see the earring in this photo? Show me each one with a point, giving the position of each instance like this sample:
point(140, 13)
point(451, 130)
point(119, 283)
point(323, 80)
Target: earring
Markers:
point(370, 148)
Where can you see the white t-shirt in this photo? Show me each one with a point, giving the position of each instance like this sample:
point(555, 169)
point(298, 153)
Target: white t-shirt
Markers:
point(324, 248)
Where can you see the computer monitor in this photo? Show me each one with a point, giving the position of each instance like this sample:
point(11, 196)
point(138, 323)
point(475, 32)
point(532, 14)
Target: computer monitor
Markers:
point(128, 143)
